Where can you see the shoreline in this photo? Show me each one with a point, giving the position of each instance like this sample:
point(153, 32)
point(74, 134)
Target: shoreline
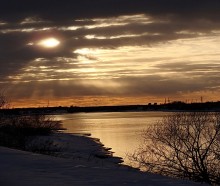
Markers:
point(76, 164)
point(80, 146)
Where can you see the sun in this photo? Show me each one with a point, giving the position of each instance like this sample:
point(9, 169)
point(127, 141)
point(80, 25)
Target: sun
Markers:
point(49, 42)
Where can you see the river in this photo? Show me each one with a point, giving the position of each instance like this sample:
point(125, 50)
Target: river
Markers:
point(120, 131)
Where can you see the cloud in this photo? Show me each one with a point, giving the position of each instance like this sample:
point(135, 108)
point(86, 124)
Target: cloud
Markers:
point(67, 9)
point(110, 47)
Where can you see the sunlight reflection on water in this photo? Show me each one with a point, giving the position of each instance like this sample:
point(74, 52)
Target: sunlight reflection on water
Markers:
point(117, 130)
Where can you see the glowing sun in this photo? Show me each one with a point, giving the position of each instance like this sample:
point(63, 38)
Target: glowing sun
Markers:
point(49, 42)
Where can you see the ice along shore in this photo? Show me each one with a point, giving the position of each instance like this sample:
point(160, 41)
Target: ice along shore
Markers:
point(81, 161)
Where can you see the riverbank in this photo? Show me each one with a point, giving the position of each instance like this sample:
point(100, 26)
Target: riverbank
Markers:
point(78, 147)
point(82, 166)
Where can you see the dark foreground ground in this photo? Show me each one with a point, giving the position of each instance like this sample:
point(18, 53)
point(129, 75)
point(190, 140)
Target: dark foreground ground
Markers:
point(19, 168)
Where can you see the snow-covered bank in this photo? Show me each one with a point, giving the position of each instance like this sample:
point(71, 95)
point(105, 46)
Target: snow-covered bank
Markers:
point(79, 147)
point(82, 167)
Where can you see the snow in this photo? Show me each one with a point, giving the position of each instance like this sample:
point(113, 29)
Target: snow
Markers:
point(81, 161)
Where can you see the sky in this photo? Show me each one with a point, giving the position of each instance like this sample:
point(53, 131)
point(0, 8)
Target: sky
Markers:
point(109, 52)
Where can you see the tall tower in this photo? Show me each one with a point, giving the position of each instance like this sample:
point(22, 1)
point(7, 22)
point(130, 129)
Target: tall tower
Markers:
point(201, 99)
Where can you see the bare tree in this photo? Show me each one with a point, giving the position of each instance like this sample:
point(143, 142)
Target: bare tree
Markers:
point(183, 145)
point(3, 101)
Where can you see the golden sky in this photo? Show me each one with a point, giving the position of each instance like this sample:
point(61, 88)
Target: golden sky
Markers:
point(133, 55)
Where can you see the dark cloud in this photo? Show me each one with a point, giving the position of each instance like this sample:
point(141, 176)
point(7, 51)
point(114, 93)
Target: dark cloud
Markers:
point(16, 53)
point(158, 86)
point(62, 10)
point(187, 67)
point(159, 21)
point(130, 86)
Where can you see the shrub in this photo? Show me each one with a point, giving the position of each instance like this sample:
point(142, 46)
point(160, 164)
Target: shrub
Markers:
point(185, 145)
point(16, 131)
point(4, 103)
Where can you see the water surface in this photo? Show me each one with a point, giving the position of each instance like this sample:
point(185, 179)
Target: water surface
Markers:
point(120, 131)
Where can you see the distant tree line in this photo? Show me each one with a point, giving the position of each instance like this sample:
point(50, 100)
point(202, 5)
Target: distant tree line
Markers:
point(173, 106)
